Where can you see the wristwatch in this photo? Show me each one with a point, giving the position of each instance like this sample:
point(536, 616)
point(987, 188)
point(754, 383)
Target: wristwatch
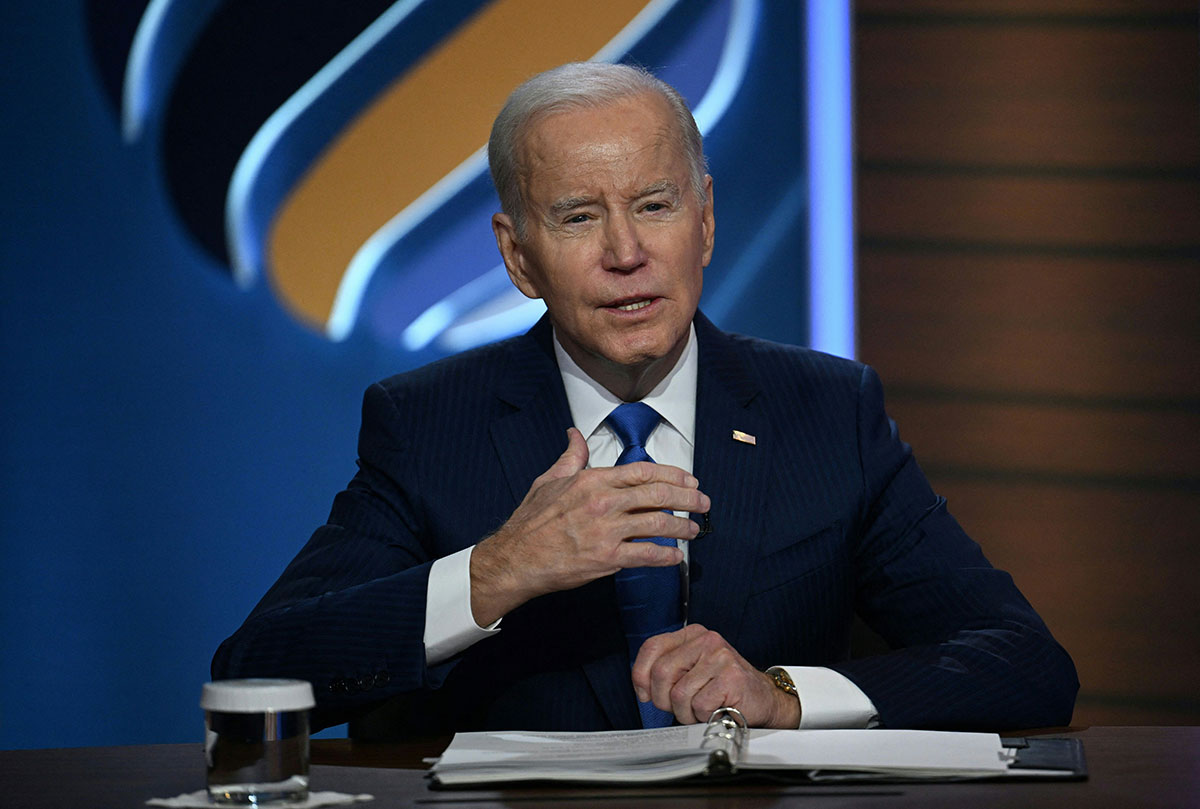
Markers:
point(782, 680)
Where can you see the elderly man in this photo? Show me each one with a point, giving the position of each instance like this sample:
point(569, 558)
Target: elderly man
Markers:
point(722, 507)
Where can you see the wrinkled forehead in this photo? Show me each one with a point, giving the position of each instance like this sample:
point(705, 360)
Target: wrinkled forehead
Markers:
point(630, 140)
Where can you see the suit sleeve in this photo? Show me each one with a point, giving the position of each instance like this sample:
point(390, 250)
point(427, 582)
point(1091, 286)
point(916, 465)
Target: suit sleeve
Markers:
point(348, 613)
point(969, 650)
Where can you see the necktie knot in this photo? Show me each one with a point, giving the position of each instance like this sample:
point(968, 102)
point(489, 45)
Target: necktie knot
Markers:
point(633, 422)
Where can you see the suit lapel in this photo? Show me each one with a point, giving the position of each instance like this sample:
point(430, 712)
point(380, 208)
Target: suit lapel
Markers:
point(527, 440)
point(735, 475)
point(530, 436)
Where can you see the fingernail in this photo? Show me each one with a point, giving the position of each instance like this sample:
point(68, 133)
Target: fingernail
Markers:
point(692, 482)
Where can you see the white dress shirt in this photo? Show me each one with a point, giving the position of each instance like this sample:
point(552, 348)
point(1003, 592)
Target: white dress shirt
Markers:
point(828, 699)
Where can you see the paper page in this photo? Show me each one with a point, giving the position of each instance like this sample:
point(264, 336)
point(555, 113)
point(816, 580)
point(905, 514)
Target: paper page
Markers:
point(913, 752)
point(616, 745)
point(670, 753)
point(629, 756)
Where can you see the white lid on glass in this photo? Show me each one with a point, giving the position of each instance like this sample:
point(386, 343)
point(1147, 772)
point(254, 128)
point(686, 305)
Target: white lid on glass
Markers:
point(257, 696)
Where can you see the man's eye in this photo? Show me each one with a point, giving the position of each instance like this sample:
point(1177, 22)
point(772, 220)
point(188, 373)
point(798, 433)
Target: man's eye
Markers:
point(654, 207)
point(577, 219)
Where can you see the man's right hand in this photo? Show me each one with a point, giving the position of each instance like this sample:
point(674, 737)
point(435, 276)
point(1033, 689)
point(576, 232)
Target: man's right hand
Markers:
point(575, 525)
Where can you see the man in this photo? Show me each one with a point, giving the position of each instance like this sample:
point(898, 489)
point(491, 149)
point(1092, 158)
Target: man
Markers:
point(474, 574)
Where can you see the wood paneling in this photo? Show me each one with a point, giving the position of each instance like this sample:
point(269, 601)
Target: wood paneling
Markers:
point(1111, 572)
point(1029, 289)
point(1028, 92)
point(1032, 323)
point(1128, 446)
point(1038, 210)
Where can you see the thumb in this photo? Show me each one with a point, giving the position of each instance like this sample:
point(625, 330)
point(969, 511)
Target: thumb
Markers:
point(573, 459)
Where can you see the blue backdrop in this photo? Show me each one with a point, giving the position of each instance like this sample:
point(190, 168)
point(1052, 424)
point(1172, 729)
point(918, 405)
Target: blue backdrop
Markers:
point(169, 438)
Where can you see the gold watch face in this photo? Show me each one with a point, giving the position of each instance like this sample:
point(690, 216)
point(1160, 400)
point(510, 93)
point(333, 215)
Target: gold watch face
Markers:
point(783, 680)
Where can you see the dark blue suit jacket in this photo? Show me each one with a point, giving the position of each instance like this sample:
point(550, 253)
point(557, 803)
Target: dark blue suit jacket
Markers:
point(826, 515)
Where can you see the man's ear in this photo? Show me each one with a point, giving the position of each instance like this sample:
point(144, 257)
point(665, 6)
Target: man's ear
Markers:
point(708, 222)
point(513, 255)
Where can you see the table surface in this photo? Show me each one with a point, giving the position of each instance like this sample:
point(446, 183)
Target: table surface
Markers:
point(1131, 766)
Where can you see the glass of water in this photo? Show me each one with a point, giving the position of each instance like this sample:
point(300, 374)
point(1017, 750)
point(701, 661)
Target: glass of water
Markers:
point(256, 740)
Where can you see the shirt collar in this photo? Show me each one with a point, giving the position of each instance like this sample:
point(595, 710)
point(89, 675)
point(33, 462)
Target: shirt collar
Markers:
point(674, 397)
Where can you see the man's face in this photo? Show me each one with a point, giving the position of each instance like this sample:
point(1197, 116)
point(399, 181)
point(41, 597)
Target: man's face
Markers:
point(616, 241)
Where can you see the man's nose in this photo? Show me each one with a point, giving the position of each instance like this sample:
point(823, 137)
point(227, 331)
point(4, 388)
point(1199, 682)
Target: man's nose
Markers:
point(623, 245)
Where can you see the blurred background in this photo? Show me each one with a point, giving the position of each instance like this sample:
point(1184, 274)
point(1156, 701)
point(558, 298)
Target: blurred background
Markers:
point(223, 219)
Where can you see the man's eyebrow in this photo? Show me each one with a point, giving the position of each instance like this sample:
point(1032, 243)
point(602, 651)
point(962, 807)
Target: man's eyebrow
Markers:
point(561, 206)
point(566, 204)
point(661, 187)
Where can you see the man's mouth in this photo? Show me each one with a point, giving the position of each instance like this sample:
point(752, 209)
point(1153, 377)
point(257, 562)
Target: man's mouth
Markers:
point(633, 306)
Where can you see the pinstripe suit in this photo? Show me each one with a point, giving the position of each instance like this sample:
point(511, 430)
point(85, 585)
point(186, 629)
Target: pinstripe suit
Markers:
point(827, 514)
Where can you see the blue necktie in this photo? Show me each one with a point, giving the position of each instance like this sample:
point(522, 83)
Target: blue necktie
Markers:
point(649, 597)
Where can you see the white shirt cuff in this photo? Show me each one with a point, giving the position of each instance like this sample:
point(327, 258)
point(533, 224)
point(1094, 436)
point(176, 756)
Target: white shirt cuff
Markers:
point(449, 625)
point(829, 700)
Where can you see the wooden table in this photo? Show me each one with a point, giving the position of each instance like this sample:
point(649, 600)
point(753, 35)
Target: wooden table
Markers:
point(1134, 767)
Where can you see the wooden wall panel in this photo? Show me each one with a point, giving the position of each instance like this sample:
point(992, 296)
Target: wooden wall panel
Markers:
point(1124, 445)
point(957, 206)
point(970, 88)
point(1035, 323)
point(1112, 572)
point(1029, 289)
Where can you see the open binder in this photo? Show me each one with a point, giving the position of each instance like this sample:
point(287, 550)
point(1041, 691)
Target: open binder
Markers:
point(725, 748)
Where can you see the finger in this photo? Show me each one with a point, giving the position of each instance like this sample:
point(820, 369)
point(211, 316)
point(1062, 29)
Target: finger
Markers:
point(728, 687)
point(652, 649)
point(647, 554)
point(659, 496)
point(714, 680)
point(653, 524)
point(669, 686)
point(702, 669)
point(662, 660)
point(573, 459)
point(642, 472)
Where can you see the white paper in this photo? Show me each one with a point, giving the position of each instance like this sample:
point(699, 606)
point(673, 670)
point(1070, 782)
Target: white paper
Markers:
point(676, 752)
point(911, 752)
point(612, 745)
point(625, 755)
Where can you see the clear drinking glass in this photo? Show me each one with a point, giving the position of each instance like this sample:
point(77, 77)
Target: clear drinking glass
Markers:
point(256, 740)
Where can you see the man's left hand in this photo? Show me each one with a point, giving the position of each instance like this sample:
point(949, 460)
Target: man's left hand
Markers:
point(694, 671)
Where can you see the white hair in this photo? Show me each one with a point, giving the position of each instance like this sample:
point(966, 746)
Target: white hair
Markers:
point(580, 85)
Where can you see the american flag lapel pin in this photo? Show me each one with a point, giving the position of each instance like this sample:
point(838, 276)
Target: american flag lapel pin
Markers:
point(745, 438)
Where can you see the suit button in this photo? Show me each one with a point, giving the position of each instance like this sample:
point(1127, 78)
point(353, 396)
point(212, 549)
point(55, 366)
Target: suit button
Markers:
point(364, 683)
point(382, 679)
point(337, 686)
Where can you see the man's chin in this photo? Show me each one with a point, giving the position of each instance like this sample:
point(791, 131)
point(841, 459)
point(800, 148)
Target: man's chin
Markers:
point(635, 358)
point(636, 355)
point(626, 360)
